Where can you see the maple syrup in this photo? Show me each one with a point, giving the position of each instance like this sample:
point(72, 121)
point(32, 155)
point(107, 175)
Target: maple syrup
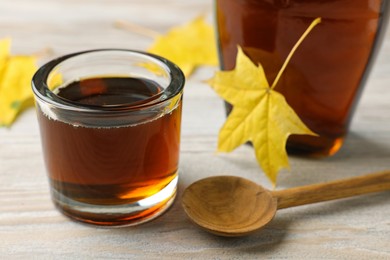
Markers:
point(324, 79)
point(111, 166)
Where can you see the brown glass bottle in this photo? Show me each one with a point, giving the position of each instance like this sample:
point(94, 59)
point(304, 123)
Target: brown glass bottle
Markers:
point(325, 77)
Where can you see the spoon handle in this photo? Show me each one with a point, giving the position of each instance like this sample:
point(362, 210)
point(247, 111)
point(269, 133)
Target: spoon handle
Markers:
point(333, 190)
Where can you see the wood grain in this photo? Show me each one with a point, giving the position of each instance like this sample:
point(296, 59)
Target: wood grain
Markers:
point(30, 226)
point(228, 205)
point(333, 190)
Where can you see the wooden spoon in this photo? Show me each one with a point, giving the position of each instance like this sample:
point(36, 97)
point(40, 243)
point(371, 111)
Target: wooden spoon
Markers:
point(234, 206)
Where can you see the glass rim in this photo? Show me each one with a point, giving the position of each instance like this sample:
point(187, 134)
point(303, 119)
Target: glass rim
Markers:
point(42, 91)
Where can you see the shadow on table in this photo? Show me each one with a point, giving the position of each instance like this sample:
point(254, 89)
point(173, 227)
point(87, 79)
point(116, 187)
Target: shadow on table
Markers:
point(357, 146)
point(358, 156)
point(270, 238)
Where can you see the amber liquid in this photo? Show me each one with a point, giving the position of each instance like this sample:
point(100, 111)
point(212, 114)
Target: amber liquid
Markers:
point(324, 79)
point(111, 165)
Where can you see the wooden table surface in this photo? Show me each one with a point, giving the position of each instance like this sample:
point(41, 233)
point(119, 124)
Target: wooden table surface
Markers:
point(354, 228)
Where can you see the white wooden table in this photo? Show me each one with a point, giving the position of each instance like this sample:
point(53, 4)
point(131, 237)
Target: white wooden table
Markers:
point(355, 228)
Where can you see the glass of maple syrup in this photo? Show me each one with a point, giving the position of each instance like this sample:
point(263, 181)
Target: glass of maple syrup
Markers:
point(325, 77)
point(110, 128)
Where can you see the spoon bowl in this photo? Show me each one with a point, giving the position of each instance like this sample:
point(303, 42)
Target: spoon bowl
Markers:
point(228, 205)
point(234, 206)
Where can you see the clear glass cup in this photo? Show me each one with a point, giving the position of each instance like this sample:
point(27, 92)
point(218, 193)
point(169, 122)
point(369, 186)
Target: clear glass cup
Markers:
point(110, 130)
point(326, 75)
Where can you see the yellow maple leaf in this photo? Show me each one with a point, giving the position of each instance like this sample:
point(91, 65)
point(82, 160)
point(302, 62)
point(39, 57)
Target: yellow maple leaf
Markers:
point(260, 114)
point(188, 46)
point(15, 83)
